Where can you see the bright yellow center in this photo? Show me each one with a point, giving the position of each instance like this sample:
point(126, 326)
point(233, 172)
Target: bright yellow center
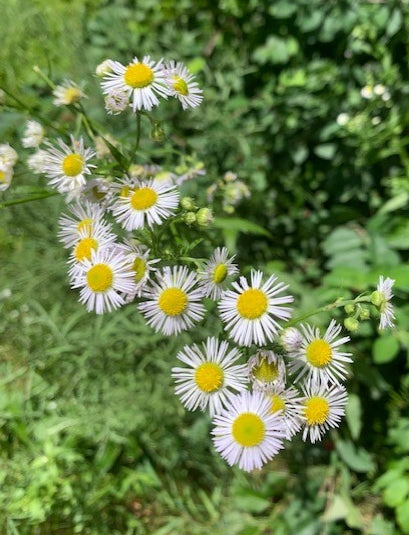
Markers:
point(209, 377)
point(173, 301)
point(248, 429)
point(3, 176)
point(139, 266)
point(252, 304)
point(72, 164)
point(100, 277)
point(85, 225)
point(72, 94)
point(84, 247)
point(319, 353)
point(277, 403)
point(316, 410)
point(265, 371)
point(180, 86)
point(219, 273)
point(138, 75)
point(143, 198)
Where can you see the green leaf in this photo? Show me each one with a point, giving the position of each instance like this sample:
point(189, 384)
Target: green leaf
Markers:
point(395, 203)
point(354, 415)
point(357, 459)
point(385, 349)
point(396, 492)
point(394, 23)
point(337, 510)
point(240, 225)
point(402, 515)
point(326, 151)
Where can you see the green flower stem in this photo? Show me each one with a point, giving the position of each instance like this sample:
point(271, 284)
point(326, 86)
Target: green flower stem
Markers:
point(340, 302)
point(138, 131)
point(38, 197)
point(47, 80)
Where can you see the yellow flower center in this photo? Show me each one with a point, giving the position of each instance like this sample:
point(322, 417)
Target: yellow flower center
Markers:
point(219, 273)
point(84, 247)
point(173, 301)
point(209, 377)
point(265, 371)
point(180, 86)
point(143, 198)
point(85, 225)
point(139, 266)
point(319, 353)
point(138, 75)
point(3, 177)
point(72, 164)
point(316, 410)
point(72, 94)
point(248, 429)
point(277, 403)
point(100, 277)
point(252, 304)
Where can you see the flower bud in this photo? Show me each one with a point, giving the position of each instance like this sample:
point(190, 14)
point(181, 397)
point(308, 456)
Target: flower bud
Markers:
point(377, 298)
point(351, 324)
point(204, 217)
point(157, 133)
point(364, 314)
point(187, 203)
point(350, 309)
point(189, 218)
point(104, 68)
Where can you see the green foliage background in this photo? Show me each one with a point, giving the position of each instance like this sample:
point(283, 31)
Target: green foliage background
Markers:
point(92, 439)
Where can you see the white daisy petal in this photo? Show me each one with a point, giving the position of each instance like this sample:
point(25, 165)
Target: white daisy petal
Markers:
point(216, 276)
point(181, 85)
point(384, 288)
point(288, 401)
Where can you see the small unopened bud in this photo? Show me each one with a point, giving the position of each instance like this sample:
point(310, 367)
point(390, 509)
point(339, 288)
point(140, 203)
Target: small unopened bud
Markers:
point(204, 217)
point(377, 298)
point(157, 133)
point(350, 309)
point(189, 218)
point(351, 324)
point(364, 314)
point(187, 203)
point(104, 68)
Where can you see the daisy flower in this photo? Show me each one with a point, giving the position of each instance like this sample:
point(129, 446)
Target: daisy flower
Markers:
point(116, 101)
point(246, 432)
point(319, 357)
point(138, 257)
point(6, 174)
point(291, 339)
point(8, 156)
point(215, 276)
point(67, 166)
point(250, 311)
point(33, 134)
point(37, 161)
point(266, 369)
point(103, 279)
point(143, 81)
point(67, 93)
point(382, 298)
point(83, 217)
point(144, 202)
point(174, 302)
point(323, 408)
point(98, 191)
point(211, 375)
point(181, 85)
point(288, 402)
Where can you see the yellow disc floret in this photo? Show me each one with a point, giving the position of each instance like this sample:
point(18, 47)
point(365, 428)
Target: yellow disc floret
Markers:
point(85, 225)
point(84, 247)
point(72, 164)
point(252, 304)
point(219, 273)
point(139, 266)
point(316, 410)
point(72, 94)
point(209, 377)
point(180, 86)
point(100, 277)
point(248, 429)
point(319, 353)
point(173, 301)
point(3, 177)
point(266, 371)
point(138, 75)
point(277, 403)
point(143, 198)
